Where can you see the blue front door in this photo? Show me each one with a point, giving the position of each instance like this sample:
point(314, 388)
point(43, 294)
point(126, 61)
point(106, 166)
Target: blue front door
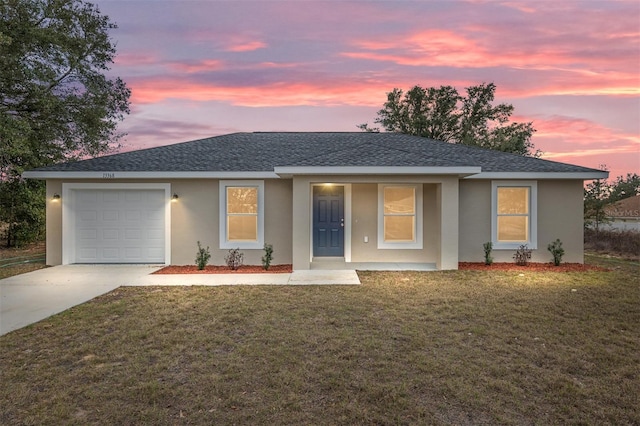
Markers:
point(328, 220)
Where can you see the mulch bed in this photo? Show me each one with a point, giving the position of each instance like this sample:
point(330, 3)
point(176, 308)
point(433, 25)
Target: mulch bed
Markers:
point(215, 269)
point(531, 267)
point(463, 266)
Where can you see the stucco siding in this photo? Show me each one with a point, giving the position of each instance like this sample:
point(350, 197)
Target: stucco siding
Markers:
point(194, 217)
point(475, 219)
point(365, 224)
point(559, 216)
point(53, 224)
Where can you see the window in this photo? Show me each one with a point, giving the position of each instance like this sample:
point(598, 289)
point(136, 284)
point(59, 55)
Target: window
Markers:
point(241, 214)
point(400, 216)
point(514, 214)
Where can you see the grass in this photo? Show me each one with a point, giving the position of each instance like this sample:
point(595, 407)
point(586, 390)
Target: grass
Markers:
point(458, 347)
point(16, 261)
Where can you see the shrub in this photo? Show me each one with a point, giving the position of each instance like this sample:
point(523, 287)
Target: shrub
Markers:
point(556, 251)
point(523, 255)
point(488, 246)
point(234, 259)
point(202, 257)
point(268, 256)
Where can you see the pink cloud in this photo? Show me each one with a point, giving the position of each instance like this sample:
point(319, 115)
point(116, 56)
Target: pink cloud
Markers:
point(581, 132)
point(274, 94)
point(197, 66)
point(246, 46)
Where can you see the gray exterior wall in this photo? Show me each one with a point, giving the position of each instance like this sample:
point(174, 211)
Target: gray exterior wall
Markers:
point(560, 215)
point(365, 223)
point(440, 224)
point(457, 220)
point(194, 217)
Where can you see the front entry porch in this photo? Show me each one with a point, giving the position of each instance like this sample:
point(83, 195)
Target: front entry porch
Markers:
point(337, 263)
point(375, 223)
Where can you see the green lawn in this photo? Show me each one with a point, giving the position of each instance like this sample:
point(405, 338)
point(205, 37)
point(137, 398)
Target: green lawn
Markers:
point(403, 348)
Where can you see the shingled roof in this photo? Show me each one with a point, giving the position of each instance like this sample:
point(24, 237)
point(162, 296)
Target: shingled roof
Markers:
point(264, 152)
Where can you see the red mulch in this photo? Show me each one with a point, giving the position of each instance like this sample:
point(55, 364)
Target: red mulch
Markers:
point(532, 266)
point(463, 266)
point(213, 269)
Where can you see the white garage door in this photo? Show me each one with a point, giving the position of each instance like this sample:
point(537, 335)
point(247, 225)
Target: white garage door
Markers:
point(119, 226)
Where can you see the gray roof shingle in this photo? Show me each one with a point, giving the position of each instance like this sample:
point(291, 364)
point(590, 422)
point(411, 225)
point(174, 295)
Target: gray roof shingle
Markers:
point(263, 151)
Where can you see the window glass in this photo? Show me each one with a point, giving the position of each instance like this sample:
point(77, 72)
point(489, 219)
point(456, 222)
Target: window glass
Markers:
point(513, 214)
point(513, 228)
point(399, 209)
point(513, 200)
point(242, 200)
point(399, 228)
point(242, 228)
point(399, 200)
point(242, 213)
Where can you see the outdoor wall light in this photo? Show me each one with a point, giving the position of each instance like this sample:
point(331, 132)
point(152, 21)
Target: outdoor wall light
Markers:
point(174, 197)
point(56, 197)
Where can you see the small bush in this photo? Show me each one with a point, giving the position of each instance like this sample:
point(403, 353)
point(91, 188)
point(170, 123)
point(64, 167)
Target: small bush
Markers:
point(522, 255)
point(488, 246)
point(234, 259)
point(202, 257)
point(556, 251)
point(268, 256)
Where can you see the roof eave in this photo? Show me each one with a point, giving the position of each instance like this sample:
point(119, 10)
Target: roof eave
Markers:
point(372, 170)
point(588, 175)
point(107, 175)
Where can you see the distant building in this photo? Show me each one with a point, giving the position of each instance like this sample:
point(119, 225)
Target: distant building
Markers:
point(624, 214)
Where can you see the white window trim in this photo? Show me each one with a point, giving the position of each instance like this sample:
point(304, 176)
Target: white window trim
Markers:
point(533, 215)
point(417, 242)
point(224, 242)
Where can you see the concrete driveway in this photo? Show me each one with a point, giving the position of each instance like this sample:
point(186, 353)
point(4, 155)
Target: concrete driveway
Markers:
point(31, 297)
point(34, 296)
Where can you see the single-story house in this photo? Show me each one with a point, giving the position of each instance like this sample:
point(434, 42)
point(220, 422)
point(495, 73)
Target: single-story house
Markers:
point(623, 215)
point(340, 199)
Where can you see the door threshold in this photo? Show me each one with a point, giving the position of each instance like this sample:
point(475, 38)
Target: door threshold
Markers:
point(327, 259)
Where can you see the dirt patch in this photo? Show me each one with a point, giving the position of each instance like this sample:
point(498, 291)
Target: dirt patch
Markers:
point(215, 269)
point(531, 267)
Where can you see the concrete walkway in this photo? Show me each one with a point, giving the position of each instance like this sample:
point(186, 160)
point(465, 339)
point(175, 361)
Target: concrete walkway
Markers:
point(31, 297)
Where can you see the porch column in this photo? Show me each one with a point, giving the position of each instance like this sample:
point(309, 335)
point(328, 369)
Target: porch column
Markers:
point(449, 204)
point(301, 224)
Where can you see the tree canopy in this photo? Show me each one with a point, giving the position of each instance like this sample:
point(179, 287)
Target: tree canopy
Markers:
point(443, 114)
point(600, 193)
point(56, 103)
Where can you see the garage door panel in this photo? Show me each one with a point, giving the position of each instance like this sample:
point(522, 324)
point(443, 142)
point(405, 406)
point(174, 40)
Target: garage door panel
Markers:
point(111, 234)
point(110, 215)
point(119, 226)
point(87, 215)
point(110, 196)
point(85, 234)
point(88, 255)
point(133, 196)
point(133, 234)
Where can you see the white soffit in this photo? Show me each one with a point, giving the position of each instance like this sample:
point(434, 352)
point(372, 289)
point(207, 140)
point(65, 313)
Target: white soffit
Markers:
point(147, 175)
point(372, 170)
point(540, 175)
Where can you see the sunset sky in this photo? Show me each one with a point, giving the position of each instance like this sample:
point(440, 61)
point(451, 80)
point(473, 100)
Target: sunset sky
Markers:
point(204, 68)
